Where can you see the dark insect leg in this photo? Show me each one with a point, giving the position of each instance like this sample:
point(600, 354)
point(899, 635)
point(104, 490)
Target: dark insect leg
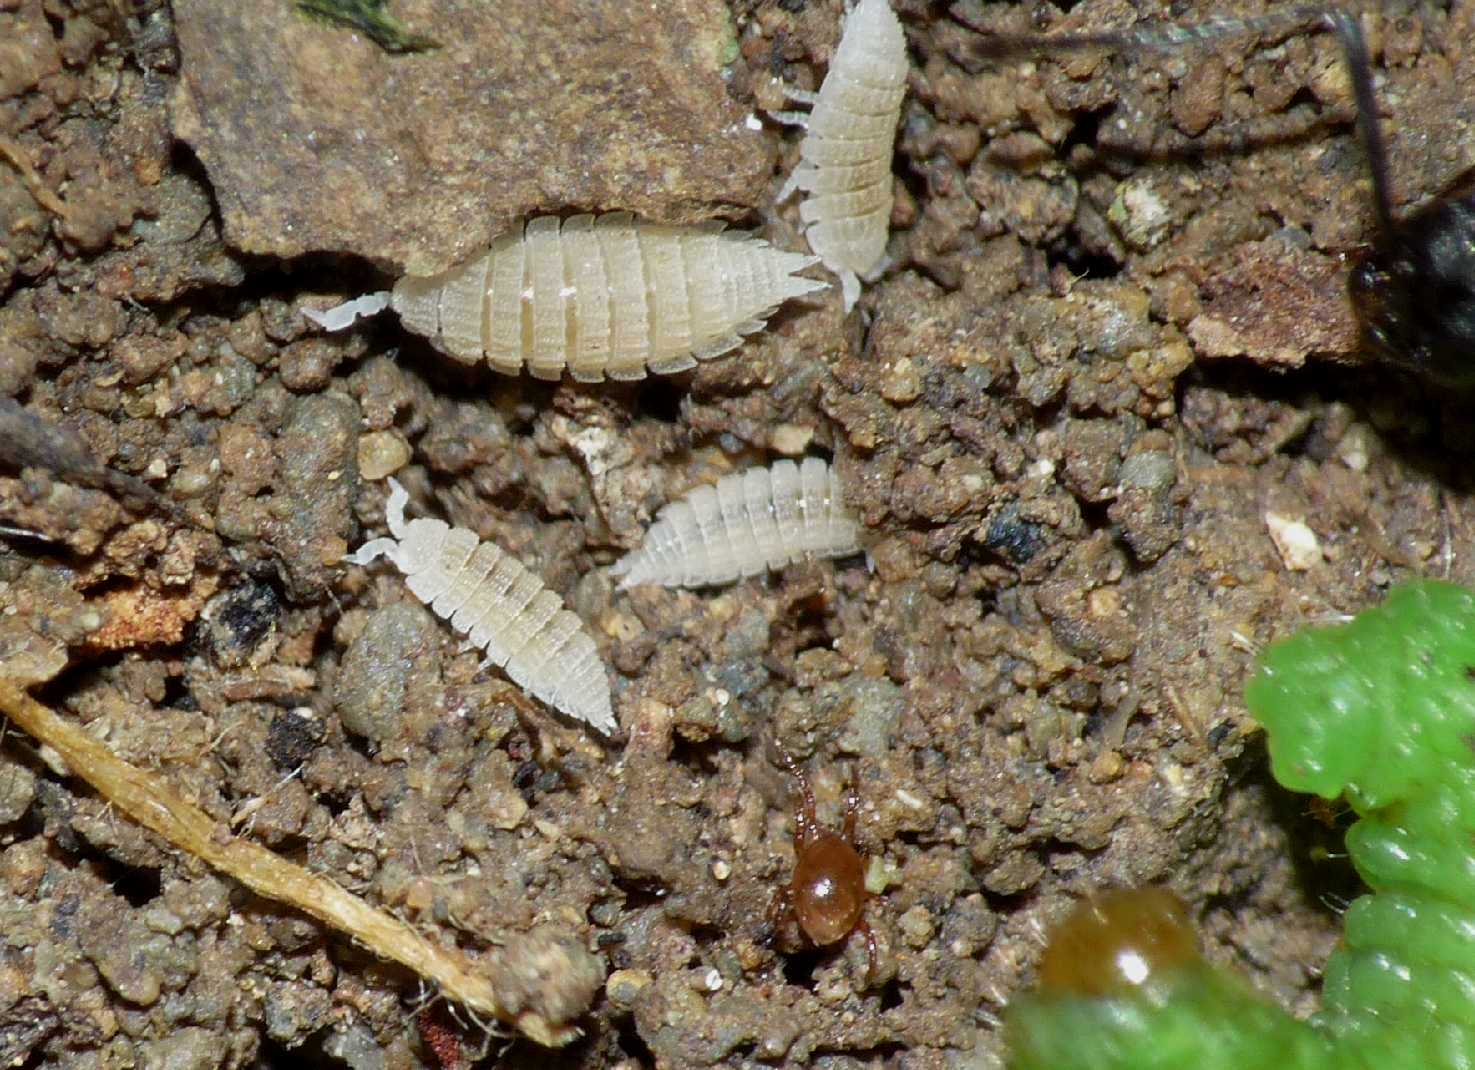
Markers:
point(1349, 32)
point(852, 808)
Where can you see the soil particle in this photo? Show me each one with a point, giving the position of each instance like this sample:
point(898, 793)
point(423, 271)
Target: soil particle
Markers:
point(292, 737)
point(17, 792)
point(241, 625)
point(31, 51)
point(317, 477)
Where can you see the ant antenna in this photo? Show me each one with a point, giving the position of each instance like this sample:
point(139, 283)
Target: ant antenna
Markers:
point(1349, 32)
point(1164, 37)
point(1156, 37)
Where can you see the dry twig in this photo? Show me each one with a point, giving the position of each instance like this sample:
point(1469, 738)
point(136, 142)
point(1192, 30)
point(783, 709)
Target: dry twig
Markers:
point(537, 983)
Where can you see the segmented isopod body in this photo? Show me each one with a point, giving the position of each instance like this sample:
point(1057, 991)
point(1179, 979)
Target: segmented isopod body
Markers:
point(607, 296)
point(845, 157)
point(750, 521)
point(500, 606)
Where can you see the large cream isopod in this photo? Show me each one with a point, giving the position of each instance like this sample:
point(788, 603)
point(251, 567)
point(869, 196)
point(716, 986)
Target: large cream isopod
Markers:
point(596, 296)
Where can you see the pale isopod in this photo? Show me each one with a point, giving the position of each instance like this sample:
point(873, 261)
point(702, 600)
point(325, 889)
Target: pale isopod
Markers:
point(845, 157)
point(603, 296)
point(764, 518)
point(500, 606)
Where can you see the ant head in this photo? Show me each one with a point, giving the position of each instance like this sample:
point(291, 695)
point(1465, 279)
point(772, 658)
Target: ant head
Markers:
point(1380, 291)
point(1414, 293)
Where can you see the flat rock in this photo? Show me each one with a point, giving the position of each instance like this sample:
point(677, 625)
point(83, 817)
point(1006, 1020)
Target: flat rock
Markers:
point(317, 140)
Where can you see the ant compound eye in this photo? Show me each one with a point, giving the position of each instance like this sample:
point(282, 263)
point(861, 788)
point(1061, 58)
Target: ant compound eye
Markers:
point(1366, 278)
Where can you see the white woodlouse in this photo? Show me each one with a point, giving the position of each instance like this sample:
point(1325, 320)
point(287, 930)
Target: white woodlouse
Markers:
point(500, 606)
point(845, 157)
point(764, 518)
point(603, 296)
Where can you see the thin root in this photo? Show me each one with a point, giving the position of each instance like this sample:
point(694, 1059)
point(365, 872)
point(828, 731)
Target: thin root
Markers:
point(35, 185)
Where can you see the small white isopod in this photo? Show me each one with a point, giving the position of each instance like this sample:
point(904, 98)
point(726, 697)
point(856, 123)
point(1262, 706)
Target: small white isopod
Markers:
point(845, 157)
point(763, 518)
point(500, 606)
point(599, 296)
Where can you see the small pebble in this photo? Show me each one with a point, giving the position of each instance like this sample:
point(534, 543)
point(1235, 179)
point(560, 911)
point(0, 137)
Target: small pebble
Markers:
point(1297, 544)
point(901, 382)
point(916, 927)
point(790, 439)
point(624, 986)
point(1107, 767)
point(381, 454)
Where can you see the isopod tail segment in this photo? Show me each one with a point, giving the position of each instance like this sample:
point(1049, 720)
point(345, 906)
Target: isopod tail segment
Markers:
point(827, 895)
point(1413, 288)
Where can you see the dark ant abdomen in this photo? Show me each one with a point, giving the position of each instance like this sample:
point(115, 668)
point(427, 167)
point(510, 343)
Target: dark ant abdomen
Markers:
point(1414, 292)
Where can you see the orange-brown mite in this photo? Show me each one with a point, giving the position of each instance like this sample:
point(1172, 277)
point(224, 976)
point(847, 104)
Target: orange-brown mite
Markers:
point(1118, 941)
point(827, 895)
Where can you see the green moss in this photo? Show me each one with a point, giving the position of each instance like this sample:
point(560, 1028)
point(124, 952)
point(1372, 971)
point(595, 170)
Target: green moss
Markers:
point(369, 18)
point(1382, 710)
point(1197, 1019)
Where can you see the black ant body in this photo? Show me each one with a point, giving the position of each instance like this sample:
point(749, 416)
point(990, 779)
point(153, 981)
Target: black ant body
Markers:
point(1414, 291)
point(1413, 288)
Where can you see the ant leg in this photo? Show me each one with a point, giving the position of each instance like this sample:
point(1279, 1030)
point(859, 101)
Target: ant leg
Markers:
point(806, 824)
point(852, 807)
point(871, 954)
point(780, 909)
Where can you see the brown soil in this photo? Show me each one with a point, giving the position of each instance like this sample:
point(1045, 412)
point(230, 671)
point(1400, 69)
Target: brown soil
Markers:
point(1114, 342)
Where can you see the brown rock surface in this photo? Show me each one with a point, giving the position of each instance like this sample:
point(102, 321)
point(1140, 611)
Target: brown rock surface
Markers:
point(316, 139)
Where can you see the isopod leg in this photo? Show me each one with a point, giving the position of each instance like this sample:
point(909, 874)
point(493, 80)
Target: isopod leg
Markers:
point(807, 97)
point(791, 185)
point(849, 288)
point(791, 118)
